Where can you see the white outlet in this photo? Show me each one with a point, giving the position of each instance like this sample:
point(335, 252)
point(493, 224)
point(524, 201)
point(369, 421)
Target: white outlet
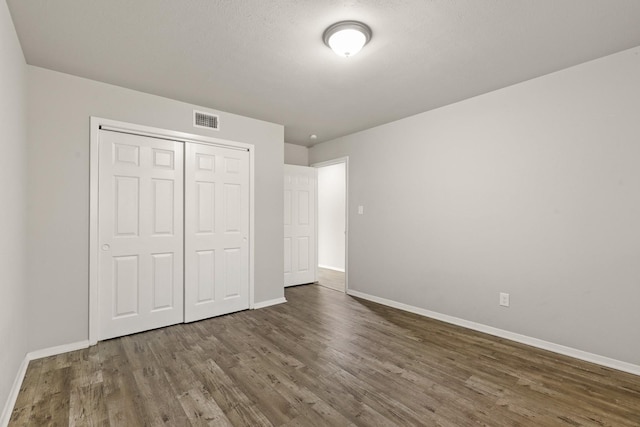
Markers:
point(504, 299)
point(360, 210)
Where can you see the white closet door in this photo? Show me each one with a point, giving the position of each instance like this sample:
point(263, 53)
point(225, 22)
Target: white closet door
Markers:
point(216, 231)
point(140, 233)
point(299, 225)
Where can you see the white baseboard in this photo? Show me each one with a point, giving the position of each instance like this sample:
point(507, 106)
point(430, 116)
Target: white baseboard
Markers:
point(534, 342)
point(52, 351)
point(13, 393)
point(269, 303)
point(17, 383)
point(328, 267)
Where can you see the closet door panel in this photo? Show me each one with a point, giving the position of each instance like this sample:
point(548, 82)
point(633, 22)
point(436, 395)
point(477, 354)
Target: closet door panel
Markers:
point(140, 231)
point(216, 231)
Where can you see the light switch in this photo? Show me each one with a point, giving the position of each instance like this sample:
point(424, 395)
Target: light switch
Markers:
point(360, 210)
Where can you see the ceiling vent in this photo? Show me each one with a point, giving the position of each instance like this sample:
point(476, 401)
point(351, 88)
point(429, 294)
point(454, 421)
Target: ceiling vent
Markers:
point(206, 120)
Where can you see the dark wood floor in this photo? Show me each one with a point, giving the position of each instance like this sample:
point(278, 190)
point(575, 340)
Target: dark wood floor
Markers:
point(331, 279)
point(324, 358)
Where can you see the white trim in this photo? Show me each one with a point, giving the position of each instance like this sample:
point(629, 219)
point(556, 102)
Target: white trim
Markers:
point(95, 124)
point(93, 230)
point(331, 162)
point(173, 135)
point(13, 392)
point(252, 246)
point(59, 349)
point(269, 303)
point(523, 339)
point(327, 267)
point(22, 370)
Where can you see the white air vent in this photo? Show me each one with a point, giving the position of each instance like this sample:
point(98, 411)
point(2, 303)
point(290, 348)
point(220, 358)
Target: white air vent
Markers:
point(206, 120)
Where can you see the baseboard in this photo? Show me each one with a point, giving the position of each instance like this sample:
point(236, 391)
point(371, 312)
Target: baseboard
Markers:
point(52, 351)
point(17, 383)
point(328, 267)
point(523, 339)
point(269, 303)
point(13, 393)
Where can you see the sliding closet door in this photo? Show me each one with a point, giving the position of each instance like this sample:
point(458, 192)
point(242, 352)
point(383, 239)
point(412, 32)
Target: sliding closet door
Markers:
point(216, 231)
point(140, 232)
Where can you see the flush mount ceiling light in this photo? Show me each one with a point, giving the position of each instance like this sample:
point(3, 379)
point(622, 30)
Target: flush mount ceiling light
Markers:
point(346, 38)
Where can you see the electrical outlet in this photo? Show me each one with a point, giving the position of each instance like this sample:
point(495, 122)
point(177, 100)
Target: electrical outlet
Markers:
point(504, 299)
point(360, 210)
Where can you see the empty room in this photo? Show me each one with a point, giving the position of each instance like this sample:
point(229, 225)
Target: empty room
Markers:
point(320, 213)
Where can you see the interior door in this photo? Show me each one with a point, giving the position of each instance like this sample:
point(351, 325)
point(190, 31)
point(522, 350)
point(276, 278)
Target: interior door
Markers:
point(140, 231)
point(299, 225)
point(216, 231)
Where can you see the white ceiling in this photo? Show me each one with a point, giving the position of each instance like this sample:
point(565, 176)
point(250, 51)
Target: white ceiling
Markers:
point(266, 59)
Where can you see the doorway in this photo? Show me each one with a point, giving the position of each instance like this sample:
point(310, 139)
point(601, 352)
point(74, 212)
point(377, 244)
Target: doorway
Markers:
point(332, 223)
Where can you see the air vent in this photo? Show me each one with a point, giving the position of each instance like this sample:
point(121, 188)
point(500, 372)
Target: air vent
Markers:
point(206, 120)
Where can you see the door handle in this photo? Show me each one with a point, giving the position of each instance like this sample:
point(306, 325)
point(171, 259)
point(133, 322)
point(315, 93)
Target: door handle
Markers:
point(106, 247)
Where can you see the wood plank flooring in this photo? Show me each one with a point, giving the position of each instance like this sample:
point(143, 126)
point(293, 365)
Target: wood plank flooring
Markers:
point(324, 358)
point(331, 279)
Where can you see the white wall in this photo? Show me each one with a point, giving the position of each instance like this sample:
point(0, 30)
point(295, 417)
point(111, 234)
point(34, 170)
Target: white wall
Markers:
point(59, 108)
point(533, 190)
point(13, 208)
point(296, 155)
point(331, 216)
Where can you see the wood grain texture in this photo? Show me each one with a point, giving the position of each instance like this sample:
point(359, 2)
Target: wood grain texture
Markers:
point(331, 279)
point(324, 358)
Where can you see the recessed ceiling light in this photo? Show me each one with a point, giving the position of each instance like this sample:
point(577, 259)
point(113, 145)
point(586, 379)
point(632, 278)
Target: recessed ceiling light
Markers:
point(346, 38)
point(313, 136)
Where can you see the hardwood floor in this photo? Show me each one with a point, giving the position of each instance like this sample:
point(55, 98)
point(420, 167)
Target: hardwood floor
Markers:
point(324, 358)
point(331, 279)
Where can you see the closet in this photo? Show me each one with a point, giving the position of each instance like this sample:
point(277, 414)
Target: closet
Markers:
point(173, 241)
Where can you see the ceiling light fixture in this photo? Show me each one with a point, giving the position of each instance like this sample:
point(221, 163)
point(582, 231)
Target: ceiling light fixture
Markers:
point(346, 38)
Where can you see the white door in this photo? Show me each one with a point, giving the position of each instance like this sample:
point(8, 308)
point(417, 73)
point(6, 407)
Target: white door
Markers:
point(216, 231)
point(299, 225)
point(140, 232)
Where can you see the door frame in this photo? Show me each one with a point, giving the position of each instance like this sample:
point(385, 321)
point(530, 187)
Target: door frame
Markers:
point(96, 124)
point(331, 162)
